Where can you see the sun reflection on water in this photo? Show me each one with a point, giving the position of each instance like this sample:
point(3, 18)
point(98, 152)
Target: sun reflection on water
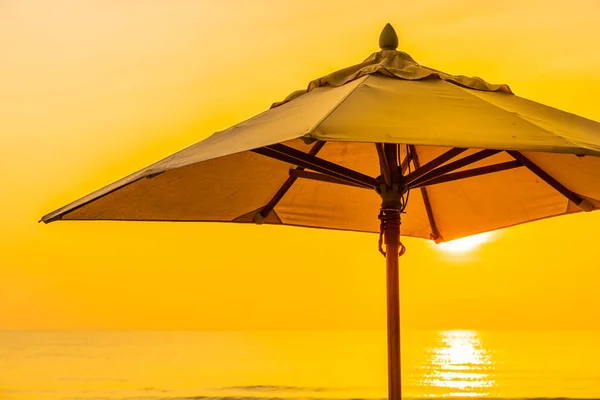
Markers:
point(459, 366)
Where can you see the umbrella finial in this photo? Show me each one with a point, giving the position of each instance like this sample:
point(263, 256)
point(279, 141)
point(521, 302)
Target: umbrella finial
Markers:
point(388, 40)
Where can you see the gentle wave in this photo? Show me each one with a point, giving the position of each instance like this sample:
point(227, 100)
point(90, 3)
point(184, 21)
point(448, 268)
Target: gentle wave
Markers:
point(272, 388)
point(356, 398)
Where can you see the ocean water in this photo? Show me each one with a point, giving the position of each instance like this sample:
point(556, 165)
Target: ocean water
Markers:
point(172, 365)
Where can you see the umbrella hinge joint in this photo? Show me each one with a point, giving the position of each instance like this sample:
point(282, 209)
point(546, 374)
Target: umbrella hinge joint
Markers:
point(259, 218)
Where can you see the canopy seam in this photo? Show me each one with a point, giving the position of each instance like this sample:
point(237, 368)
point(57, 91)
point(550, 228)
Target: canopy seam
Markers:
point(522, 118)
point(318, 124)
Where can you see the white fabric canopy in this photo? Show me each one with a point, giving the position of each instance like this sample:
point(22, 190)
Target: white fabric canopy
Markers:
point(387, 99)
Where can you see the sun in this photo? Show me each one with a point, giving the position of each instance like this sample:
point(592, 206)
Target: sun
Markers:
point(466, 244)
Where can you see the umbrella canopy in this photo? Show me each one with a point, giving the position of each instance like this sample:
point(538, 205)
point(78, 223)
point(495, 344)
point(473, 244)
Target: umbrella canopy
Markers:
point(495, 159)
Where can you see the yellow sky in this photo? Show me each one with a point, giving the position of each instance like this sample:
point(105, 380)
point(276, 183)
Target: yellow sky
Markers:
point(91, 91)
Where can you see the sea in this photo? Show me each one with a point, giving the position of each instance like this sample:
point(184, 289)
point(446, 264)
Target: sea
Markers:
point(303, 365)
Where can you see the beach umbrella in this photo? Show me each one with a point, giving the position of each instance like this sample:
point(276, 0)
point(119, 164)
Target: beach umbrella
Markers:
point(366, 148)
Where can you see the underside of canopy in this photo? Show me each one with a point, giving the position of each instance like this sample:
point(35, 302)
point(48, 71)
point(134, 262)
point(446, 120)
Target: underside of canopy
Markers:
point(237, 187)
point(312, 161)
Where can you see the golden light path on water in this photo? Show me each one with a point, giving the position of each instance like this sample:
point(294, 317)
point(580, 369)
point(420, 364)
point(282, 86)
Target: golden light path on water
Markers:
point(459, 366)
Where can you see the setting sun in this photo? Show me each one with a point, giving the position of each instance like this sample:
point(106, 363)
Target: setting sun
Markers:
point(466, 244)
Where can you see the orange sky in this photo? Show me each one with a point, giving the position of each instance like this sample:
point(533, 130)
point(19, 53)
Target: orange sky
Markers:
point(93, 91)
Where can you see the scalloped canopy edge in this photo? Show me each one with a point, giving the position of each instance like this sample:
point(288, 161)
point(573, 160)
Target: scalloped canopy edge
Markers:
point(395, 64)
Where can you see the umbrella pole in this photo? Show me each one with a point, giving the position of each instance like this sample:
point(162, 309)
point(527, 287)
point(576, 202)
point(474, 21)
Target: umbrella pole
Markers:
point(390, 191)
point(392, 235)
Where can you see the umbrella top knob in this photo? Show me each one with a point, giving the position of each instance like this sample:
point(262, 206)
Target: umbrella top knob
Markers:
point(388, 40)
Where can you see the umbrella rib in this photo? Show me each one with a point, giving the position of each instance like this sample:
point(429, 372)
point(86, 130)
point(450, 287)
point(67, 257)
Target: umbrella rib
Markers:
point(384, 166)
point(266, 210)
point(297, 157)
point(436, 162)
point(300, 173)
point(407, 159)
point(463, 162)
point(391, 156)
point(294, 161)
point(470, 173)
point(530, 165)
point(435, 232)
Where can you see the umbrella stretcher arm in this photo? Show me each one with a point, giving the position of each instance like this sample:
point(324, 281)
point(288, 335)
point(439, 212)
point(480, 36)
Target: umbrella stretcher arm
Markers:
point(437, 171)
